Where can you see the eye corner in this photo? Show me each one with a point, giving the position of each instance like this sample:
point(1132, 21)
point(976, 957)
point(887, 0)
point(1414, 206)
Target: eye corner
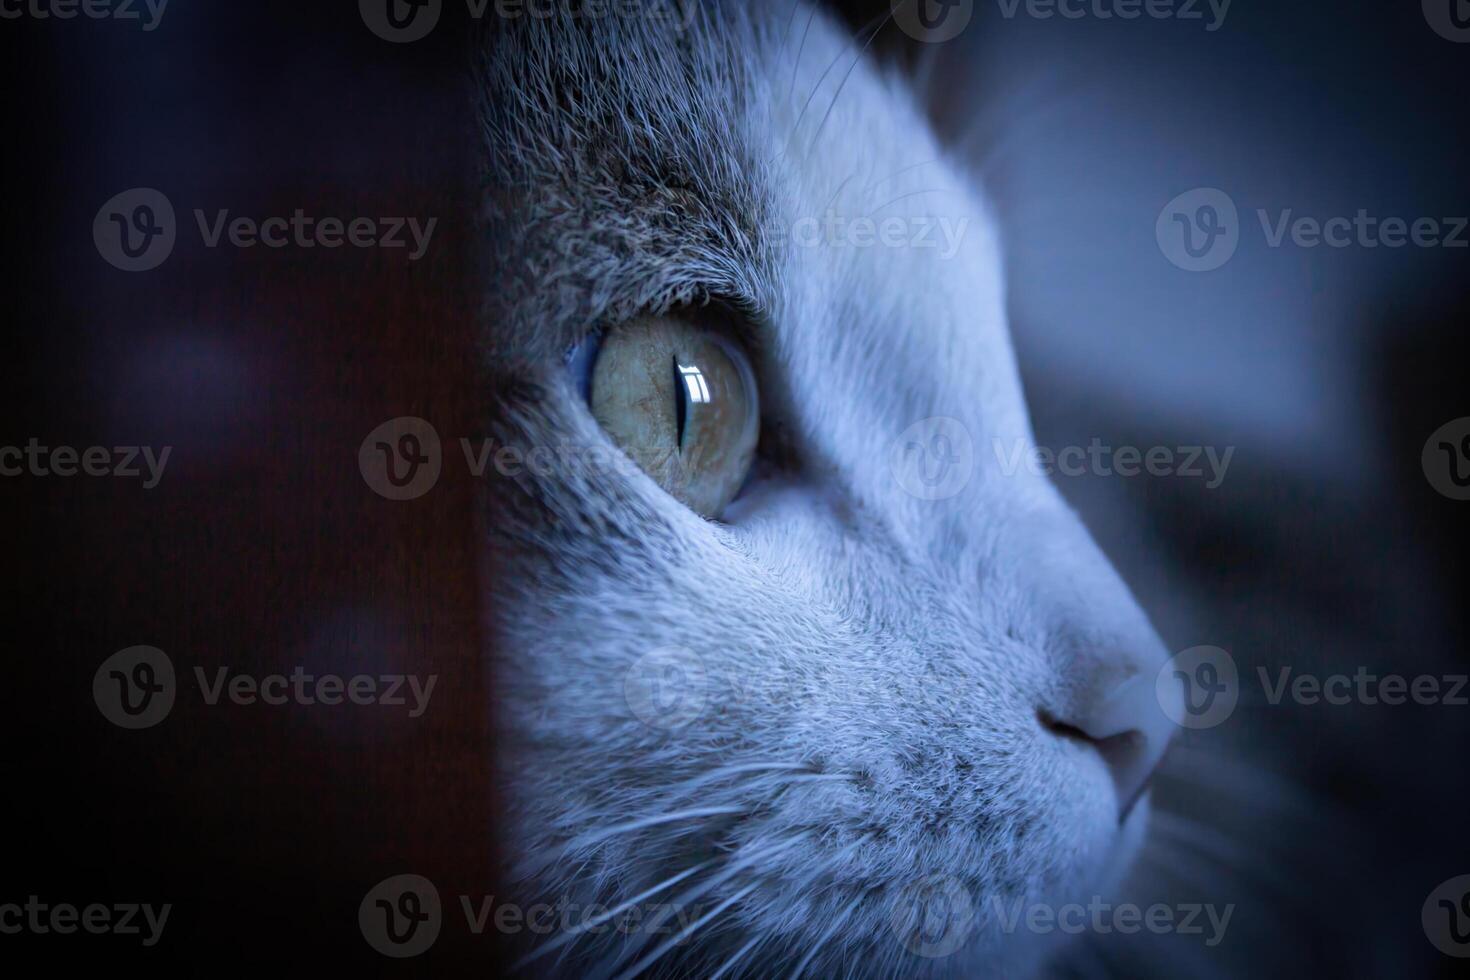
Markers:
point(581, 357)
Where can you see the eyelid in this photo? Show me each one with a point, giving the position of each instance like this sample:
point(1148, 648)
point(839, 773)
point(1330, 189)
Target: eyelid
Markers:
point(743, 321)
point(737, 318)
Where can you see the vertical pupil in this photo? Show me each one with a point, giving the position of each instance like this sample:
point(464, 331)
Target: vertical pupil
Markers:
point(690, 388)
point(681, 404)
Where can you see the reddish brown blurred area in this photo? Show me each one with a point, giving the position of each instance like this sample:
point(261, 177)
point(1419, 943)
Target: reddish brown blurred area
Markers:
point(262, 549)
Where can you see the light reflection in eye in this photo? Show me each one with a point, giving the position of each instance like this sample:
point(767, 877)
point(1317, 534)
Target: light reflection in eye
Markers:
point(694, 382)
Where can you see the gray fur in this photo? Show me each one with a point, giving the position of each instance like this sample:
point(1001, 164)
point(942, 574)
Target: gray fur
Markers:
point(874, 662)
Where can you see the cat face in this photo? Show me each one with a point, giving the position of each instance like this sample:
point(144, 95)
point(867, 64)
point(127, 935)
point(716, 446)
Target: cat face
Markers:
point(895, 667)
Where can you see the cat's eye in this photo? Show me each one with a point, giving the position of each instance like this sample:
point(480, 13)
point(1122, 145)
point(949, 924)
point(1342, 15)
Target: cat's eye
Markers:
point(680, 399)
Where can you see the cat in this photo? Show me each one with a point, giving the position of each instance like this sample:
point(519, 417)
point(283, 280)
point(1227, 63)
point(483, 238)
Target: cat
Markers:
point(909, 693)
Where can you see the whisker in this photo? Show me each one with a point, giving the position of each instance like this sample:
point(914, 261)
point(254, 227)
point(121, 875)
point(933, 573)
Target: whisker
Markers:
point(785, 44)
point(1219, 773)
point(817, 777)
point(736, 770)
point(587, 840)
point(1188, 834)
point(1026, 98)
point(796, 67)
point(786, 34)
point(534, 865)
point(833, 199)
point(843, 84)
point(1180, 862)
point(905, 197)
point(1196, 962)
point(901, 171)
point(688, 931)
point(796, 126)
point(736, 866)
point(592, 923)
point(826, 936)
point(1016, 133)
point(740, 954)
point(923, 79)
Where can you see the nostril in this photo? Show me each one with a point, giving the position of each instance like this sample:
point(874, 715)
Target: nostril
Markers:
point(1060, 728)
point(1126, 754)
point(1120, 749)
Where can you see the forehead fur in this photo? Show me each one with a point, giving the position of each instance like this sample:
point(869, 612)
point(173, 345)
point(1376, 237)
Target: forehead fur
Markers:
point(621, 177)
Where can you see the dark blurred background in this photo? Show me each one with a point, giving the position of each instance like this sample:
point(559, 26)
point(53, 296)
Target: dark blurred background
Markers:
point(263, 548)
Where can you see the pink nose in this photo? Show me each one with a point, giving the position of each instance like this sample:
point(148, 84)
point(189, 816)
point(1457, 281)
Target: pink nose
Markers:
point(1127, 726)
